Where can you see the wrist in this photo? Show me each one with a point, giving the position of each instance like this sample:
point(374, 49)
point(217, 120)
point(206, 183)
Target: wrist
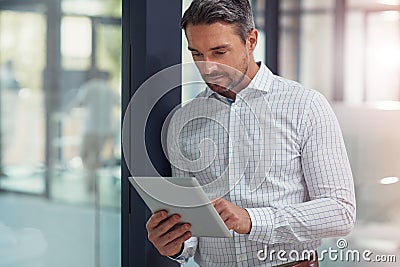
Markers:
point(249, 224)
point(179, 253)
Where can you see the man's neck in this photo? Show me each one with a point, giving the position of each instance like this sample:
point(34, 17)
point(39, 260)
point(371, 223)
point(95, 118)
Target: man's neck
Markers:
point(251, 73)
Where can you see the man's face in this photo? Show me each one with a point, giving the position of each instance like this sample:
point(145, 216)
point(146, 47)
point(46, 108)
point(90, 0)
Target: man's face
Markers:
point(220, 54)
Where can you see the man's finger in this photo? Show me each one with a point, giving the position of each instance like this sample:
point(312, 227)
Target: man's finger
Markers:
point(231, 224)
point(225, 215)
point(174, 234)
point(220, 205)
point(215, 201)
point(156, 218)
point(176, 242)
point(167, 224)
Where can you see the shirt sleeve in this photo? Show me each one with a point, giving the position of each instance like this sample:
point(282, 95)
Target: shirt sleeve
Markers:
point(331, 209)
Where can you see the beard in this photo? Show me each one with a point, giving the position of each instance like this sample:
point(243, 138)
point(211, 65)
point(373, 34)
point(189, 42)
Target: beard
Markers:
point(226, 81)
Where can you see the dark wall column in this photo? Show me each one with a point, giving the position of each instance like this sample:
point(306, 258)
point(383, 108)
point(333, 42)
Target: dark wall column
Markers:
point(271, 30)
point(151, 42)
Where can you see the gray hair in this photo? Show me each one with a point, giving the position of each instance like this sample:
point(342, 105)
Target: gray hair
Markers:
point(236, 12)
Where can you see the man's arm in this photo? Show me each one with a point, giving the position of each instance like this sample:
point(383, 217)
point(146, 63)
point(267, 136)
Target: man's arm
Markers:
point(184, 246)
point(331, 209)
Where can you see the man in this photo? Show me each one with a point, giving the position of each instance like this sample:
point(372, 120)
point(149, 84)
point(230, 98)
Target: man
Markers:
point(304, 188)
point(98, 98)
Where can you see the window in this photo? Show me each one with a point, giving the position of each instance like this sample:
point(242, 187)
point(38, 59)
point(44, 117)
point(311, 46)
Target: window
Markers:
point(372, 52)
point(306, 44)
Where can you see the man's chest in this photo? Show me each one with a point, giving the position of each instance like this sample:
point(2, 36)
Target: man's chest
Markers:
point(239, 142)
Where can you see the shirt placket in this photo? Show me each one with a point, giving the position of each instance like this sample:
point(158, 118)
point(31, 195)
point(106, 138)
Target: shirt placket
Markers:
point(234, 173)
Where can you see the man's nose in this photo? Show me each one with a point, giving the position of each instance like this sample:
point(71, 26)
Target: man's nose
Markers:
point(209, 67)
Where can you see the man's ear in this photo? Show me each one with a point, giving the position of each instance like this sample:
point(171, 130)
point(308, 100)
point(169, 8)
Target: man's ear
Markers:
point(252, 38)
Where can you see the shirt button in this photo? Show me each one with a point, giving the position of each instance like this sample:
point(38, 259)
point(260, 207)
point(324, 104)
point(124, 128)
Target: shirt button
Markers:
point(241, 258)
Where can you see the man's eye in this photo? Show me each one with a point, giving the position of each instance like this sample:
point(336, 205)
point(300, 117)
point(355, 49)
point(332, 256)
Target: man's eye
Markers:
point(196, 54)
point(220, 52)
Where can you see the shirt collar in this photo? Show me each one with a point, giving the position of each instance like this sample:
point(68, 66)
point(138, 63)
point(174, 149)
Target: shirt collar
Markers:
point(262, 82)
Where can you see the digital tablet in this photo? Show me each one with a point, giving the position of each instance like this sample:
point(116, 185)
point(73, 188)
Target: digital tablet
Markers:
point(184, 196)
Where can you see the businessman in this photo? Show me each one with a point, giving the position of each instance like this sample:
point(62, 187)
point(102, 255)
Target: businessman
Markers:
point(304, 189)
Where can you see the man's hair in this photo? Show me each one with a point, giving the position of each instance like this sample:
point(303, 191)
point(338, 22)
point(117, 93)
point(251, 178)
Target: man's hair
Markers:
point(236, 12)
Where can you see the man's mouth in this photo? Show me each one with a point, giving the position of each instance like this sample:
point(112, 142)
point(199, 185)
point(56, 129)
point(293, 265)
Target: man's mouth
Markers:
point(214, 78)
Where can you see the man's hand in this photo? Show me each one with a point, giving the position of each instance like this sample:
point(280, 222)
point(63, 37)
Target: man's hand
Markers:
point(235, 217)
point(166, 234)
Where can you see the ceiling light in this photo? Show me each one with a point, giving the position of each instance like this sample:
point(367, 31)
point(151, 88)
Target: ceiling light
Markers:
point(387, 105)
point(390, 180)
point(389, 2)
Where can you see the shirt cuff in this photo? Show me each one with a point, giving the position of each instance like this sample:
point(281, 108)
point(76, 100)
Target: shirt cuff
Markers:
point(187, 252)
point(262, 224)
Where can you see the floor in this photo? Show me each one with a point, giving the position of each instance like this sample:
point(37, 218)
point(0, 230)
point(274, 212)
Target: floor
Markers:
point(76, 227)
point(36, 232)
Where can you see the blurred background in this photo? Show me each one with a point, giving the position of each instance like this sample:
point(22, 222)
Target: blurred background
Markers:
point(60, 88)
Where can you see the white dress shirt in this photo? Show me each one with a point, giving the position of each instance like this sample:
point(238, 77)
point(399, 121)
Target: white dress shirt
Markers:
point(278, 152)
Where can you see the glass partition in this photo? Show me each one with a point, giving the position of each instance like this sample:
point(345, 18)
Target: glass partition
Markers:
point(60, 95)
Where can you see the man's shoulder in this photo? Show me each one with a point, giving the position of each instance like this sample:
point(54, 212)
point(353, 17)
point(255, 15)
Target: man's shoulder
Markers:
point(294, 91)
point(282, 84)
point(294, 99)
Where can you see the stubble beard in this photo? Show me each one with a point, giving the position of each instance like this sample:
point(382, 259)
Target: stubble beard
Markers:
point(231, 86)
